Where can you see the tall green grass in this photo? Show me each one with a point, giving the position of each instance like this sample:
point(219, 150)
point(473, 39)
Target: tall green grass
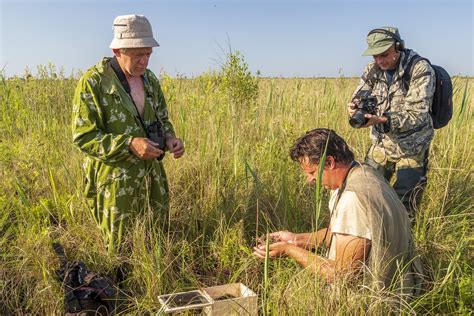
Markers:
point(235, 182)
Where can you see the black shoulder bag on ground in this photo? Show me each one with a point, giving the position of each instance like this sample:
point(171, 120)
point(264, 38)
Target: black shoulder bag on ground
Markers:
point(86, 292)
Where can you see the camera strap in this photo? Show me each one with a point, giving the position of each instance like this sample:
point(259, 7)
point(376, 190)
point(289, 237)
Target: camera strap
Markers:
point(123, 80)
point(339, 193)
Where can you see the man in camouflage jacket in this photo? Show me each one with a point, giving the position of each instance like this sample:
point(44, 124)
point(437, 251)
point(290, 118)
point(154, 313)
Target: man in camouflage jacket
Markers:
point(401, 127)
point(110, 116)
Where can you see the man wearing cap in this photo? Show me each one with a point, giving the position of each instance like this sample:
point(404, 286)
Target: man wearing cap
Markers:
point(118, 105)
point(401, 129)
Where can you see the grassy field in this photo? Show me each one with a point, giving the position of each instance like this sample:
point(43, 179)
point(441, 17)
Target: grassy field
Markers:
point(234, 183)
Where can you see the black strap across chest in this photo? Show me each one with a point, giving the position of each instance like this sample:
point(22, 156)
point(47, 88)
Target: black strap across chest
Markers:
point(123, 80)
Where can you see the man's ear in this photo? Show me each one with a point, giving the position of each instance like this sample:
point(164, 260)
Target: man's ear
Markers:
point(330, 162)
point(116, 52)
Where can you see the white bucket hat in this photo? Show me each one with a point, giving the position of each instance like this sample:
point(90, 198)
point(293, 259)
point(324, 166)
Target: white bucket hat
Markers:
point(132, 31)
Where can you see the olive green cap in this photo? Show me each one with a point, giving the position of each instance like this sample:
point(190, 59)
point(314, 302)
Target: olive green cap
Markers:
point(379, 42)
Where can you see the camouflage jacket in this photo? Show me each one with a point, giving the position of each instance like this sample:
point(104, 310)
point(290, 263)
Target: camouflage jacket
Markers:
point(409, 130)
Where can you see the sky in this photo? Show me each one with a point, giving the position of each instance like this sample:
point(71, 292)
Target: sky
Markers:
point(279, 38)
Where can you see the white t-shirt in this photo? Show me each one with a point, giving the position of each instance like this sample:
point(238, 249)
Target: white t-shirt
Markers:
point(349, 218)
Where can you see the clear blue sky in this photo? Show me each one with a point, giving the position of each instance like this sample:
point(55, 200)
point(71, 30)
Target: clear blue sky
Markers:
point(279, 38)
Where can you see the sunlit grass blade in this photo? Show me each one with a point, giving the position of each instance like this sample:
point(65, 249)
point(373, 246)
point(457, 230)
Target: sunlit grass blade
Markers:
point(319, 187)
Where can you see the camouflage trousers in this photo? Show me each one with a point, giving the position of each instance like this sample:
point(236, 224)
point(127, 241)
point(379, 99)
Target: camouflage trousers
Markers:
point(410, 173)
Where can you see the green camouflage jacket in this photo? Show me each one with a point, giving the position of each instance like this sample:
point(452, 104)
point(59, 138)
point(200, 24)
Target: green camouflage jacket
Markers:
point(410, 128)
point(104, 123)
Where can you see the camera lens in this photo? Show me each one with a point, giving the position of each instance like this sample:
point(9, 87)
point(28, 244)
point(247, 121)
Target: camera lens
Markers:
point(358, 120)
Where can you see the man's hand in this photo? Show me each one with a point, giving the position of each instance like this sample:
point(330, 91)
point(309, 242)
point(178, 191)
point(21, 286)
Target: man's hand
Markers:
point(144, 148)
point(374, 119)
point(284, 235)
point(277, 249)
point(351, 108)
point(371, 119)
point(175, 146)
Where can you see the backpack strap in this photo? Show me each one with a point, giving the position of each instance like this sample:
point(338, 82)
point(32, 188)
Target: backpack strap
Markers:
point(408, 71)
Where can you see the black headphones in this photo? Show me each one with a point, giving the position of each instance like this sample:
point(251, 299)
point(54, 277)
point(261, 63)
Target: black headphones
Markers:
point(399, 43)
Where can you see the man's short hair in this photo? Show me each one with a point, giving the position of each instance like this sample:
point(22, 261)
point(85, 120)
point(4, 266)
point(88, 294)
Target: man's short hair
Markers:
point(313, 143)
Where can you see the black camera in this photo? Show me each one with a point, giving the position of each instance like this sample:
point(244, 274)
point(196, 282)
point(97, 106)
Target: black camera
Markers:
point(156, 134)
point(366, 104)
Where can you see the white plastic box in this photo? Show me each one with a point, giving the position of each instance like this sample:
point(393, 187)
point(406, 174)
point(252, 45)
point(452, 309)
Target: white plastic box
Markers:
point(227, 299)
point(231, 299)
point(184, 301)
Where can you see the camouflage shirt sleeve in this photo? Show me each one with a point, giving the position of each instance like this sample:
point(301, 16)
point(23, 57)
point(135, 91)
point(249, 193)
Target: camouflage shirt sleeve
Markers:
point(89, 132)
point(415, 108)
point(365, 82)
point(161, 107)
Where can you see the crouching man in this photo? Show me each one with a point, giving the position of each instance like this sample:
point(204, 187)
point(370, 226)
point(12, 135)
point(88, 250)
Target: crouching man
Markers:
point(369, 227)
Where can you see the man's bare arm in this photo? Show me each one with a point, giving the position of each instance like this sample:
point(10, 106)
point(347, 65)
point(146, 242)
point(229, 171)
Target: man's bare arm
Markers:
point(351, 253)
point(315, 239)
point(304, 240)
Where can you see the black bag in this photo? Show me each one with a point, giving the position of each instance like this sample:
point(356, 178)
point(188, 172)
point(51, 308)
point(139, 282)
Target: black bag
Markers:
point(441, 109)
point(86, 292)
